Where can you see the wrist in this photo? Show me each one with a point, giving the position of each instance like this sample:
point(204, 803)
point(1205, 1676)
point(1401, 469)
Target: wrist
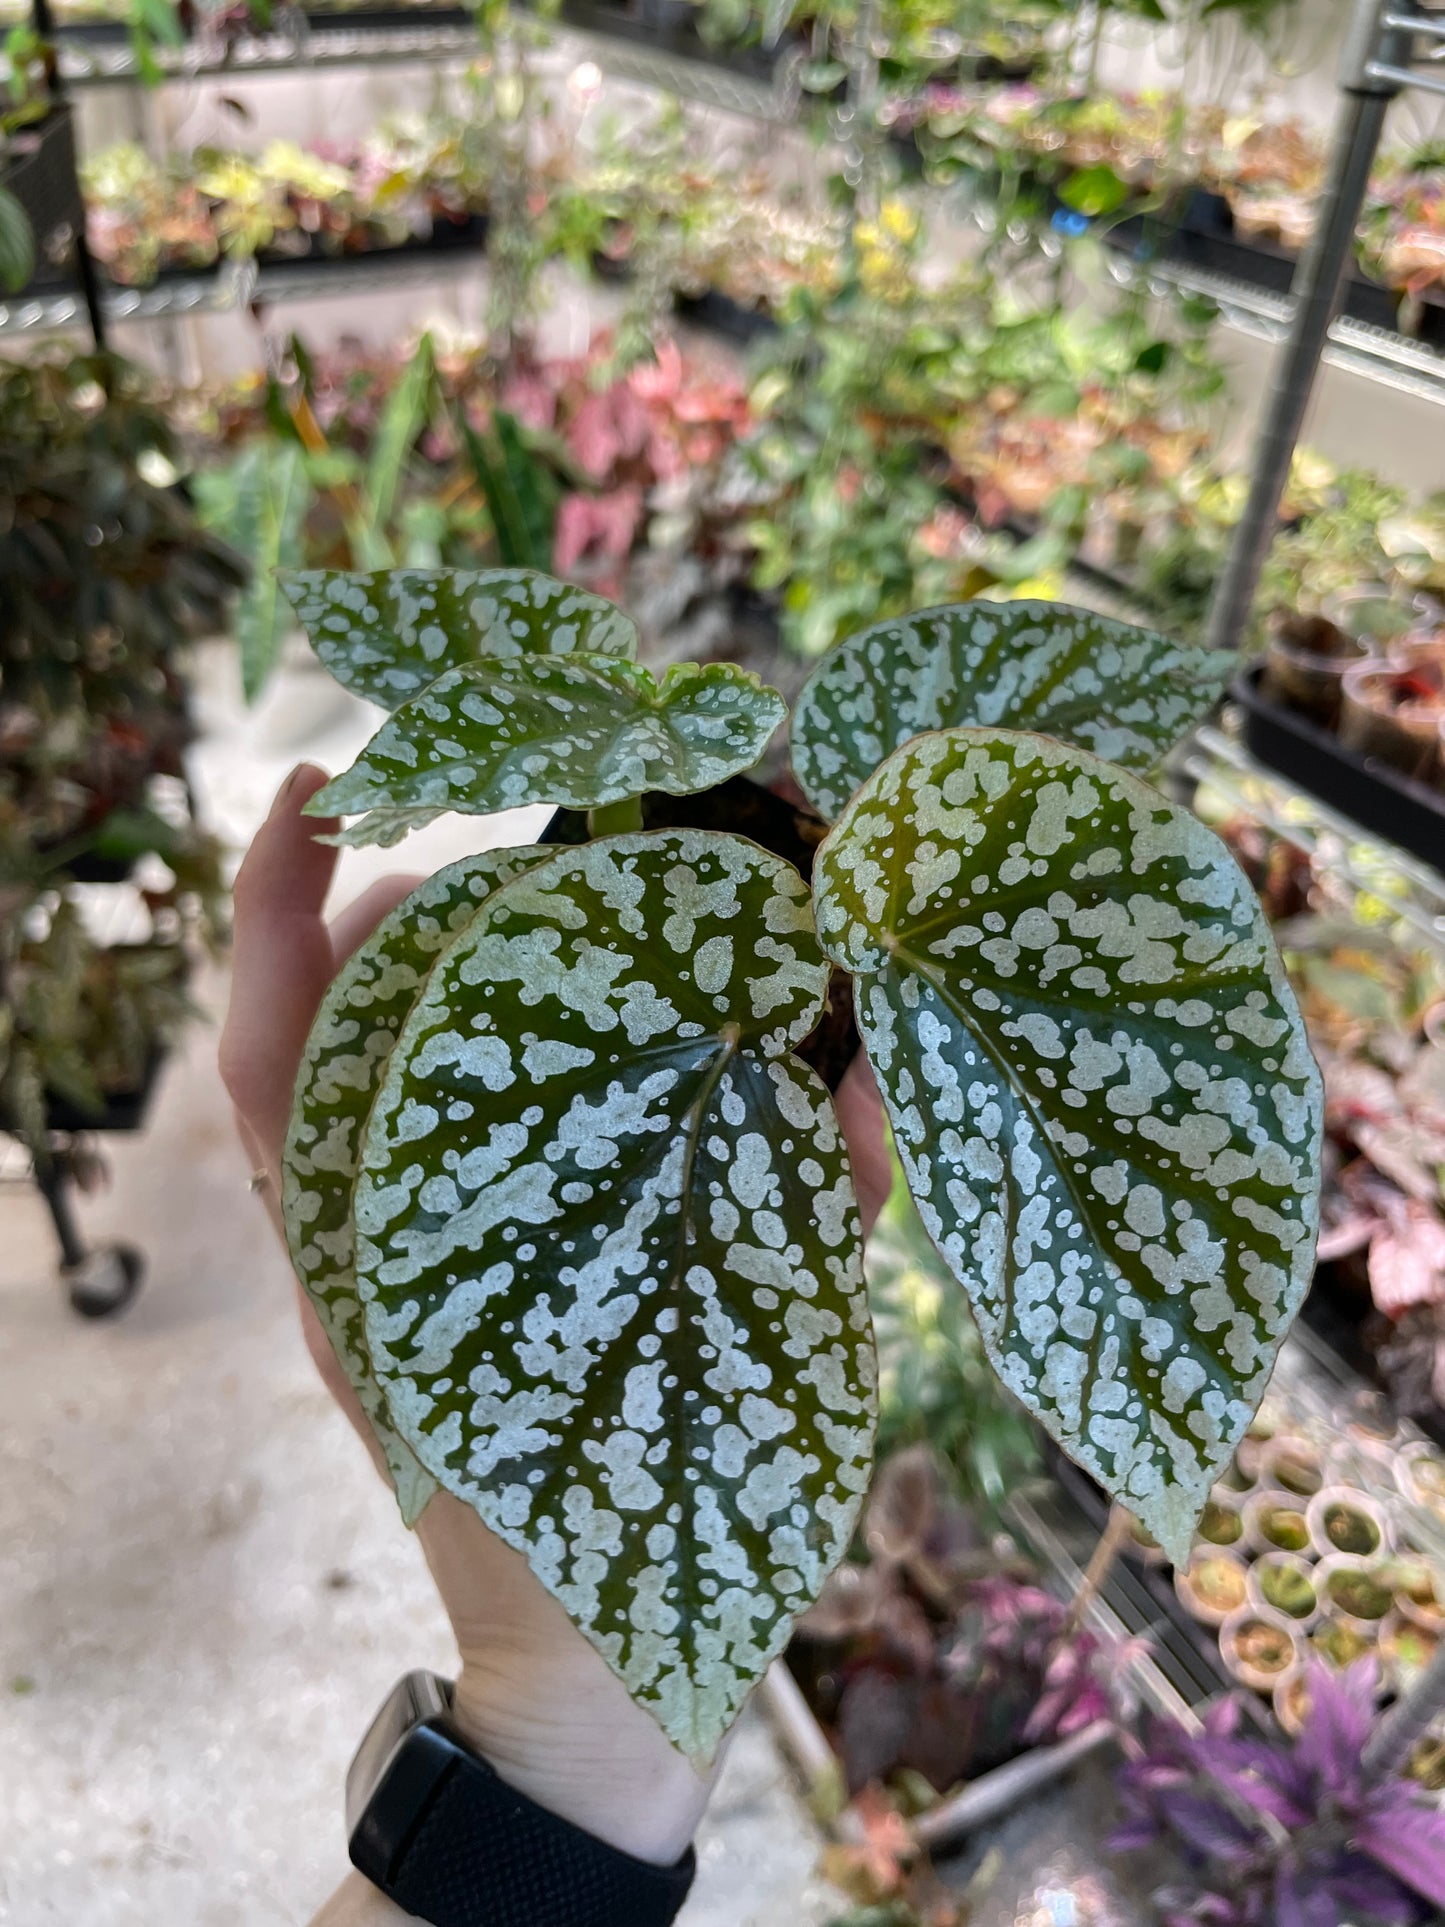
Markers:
point(568, 1737)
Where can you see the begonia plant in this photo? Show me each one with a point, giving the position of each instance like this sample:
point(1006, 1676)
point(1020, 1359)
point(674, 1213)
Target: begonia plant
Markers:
point(578, 1216)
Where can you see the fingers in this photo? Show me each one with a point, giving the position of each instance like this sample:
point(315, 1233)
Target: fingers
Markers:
point(282, 960)
point(353, 925)
point(860, 1112)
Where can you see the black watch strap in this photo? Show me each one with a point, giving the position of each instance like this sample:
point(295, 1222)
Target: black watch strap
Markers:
point(440, 1832)
point(486, 1856)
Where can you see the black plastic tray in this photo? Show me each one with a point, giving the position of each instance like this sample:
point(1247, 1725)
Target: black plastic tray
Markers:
point(1377, 797)
point(1203, 235)
point(446, 237)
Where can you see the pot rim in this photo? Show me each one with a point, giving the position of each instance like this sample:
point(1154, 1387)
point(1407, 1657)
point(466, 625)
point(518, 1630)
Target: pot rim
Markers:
point(1253, 1676)
point(1268, 1561)
point(1271, 1497)
point(1201, 1610)
point(1355, 1501)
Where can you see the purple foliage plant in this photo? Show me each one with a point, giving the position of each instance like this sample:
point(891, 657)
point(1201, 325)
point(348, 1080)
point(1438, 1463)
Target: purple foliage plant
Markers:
point(1282, 1834)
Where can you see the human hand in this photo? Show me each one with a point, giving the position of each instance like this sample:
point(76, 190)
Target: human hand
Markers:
point(532, 1696)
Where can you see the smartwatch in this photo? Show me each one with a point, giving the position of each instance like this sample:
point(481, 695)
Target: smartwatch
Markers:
point(444, 1837)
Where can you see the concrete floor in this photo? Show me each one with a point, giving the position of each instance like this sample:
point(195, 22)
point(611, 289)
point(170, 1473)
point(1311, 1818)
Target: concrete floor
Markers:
point(204, 1590)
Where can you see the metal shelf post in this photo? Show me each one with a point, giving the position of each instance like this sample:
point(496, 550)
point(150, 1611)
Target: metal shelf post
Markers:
point(1376, 68)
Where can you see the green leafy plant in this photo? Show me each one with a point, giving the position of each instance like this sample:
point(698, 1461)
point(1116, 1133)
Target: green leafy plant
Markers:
point(107, 575)
point(579, 1216)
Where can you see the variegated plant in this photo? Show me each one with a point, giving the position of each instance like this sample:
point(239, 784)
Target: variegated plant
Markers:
point(579, 1219)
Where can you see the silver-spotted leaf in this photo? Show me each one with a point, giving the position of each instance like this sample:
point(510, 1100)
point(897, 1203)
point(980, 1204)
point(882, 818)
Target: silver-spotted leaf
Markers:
point(346, 1053)
point(579, 731)
point(386, 634)
point(1100, 1086)
point(1125, 694)
point(610, 1255)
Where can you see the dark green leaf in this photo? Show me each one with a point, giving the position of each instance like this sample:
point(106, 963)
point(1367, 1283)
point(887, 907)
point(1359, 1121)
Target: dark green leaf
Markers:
point(580, 731)
point(1124, 693)
point(1100, 1087)
point(610, 1256)
point(1094, 190)
point(402, 420)
point(387, 634)
point(519, 488)
point(258, 503)
point(17, 244)
point(346, 1053)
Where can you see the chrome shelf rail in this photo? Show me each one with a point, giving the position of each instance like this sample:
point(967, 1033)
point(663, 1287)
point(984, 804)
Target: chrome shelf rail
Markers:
point(240, 284)
point(1413, 890)
point(1377, 354)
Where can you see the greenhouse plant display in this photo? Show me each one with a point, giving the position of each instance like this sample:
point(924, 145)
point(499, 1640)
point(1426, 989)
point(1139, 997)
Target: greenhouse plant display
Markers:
point(443, 458)
point(92, 725)
point(936, 1657)
point(627, 1008)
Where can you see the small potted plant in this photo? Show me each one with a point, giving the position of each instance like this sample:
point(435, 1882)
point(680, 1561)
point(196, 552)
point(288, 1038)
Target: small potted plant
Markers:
point(1341, 1520)
point(1405, 1651)
point(1212, 1586)
point(1418, 1590)
point(1317, 1829)
point(1305, 659)
point(1220, 1523)
point(1420, 1475)
point(1258, 1646)
point(1395, 713)
point(1291, 1697)
point(1283, 1582)
point(1360, 1594)
point(1339, 1643)
point(1275, 1521)
point(1294, 1464)
point(934, 1657)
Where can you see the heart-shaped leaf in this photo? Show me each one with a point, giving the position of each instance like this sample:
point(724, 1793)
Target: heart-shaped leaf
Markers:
point(386, 634)
point(1124, 693)
point(579, 731)
point(1100, 1087)
point(348, 1049)
point(610, 1254)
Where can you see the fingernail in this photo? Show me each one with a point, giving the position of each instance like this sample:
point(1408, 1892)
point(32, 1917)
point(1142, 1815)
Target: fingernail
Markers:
point(283, 795)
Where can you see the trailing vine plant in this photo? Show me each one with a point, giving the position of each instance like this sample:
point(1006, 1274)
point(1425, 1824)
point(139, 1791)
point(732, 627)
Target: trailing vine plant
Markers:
point(577, 1215)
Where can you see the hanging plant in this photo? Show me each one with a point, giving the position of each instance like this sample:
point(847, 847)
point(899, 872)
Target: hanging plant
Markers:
point(580, 1220)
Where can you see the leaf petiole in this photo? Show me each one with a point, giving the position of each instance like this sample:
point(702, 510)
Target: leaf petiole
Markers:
point(615, 819)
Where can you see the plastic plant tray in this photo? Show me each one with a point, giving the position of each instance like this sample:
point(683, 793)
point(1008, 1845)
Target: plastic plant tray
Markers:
point(1377, 797)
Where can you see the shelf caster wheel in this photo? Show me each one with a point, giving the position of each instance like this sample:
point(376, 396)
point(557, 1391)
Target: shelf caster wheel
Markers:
point(105, 1281)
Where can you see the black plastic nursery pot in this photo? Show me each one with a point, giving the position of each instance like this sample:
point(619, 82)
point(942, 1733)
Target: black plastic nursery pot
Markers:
point(1378, 798)
point(119, 1110)
point(40, 173)
point(719, 314)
